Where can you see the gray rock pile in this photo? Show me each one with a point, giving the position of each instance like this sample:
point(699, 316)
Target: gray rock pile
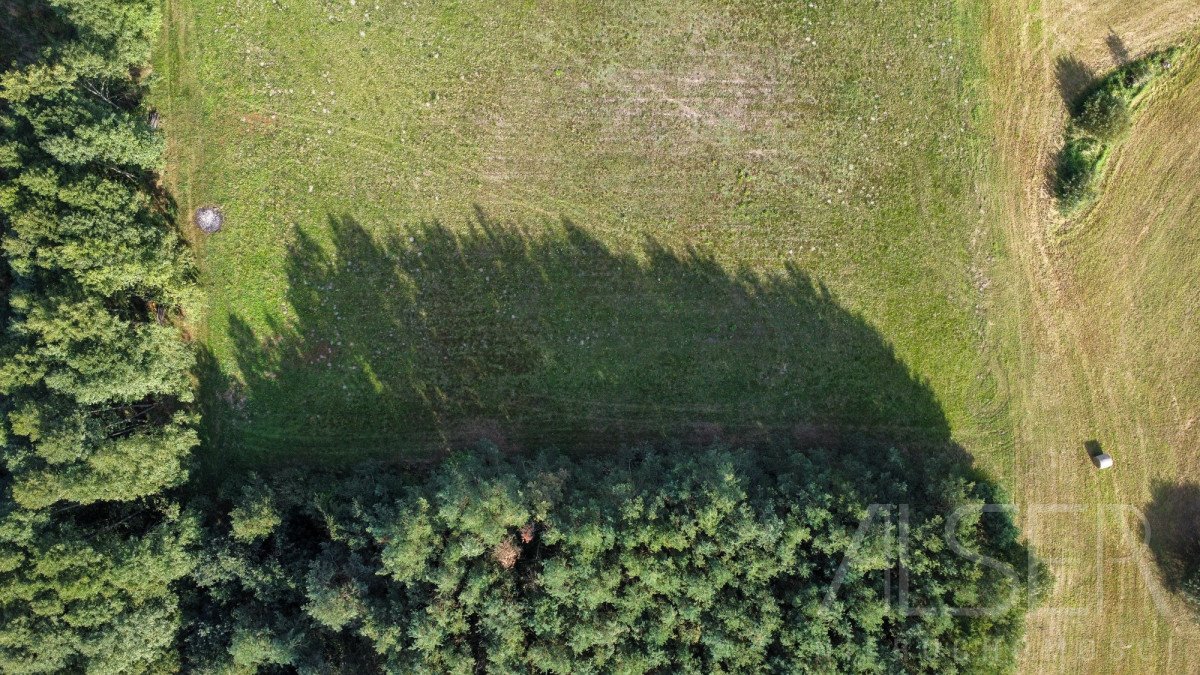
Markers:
point(209, 219)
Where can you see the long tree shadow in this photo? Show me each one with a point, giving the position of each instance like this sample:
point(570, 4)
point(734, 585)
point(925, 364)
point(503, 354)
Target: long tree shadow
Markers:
point(1172, 523)
point(1074, 78)
point(436, 337)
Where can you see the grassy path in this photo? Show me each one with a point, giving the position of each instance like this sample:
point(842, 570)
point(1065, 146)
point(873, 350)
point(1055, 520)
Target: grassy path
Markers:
point(1101, 348)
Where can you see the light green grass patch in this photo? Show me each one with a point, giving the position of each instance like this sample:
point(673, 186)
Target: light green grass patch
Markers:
point(541, 219)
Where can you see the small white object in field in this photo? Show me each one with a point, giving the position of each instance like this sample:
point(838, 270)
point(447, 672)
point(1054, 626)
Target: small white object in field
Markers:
point(1102, 460)
point(209, 219)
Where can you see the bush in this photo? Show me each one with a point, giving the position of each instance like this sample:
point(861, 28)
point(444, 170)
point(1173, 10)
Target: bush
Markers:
point(1077, 166)
point(1139, 73)
point(1097, 122)
point(1104, 115)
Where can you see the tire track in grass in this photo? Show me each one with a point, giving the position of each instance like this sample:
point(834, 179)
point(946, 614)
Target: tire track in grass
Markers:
point(317, 123)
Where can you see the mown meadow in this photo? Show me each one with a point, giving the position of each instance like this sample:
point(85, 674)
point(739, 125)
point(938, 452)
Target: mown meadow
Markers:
point(1101, 353)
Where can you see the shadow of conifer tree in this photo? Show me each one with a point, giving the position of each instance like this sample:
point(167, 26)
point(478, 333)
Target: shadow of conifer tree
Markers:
point(1172, 519)
point(437, 337)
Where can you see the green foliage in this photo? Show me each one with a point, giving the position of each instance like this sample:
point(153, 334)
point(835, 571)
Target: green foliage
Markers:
point(91, 377)
point(72, 345)
point(1077, 166)
point(97, 596)
point(111, 36)
point(1104, 115)
point(92, 374)
point(716, 561)
point(255, 515)
point(1099, 120)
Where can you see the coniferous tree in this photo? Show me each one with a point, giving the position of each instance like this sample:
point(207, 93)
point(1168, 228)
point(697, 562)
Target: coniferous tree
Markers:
point(93, 375)
point(717, 561)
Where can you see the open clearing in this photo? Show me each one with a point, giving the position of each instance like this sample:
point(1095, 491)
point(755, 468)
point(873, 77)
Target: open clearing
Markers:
point(593, 222)
point(588, 221)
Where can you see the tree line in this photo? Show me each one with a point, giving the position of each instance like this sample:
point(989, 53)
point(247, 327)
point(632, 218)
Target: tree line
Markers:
point(94, 385)
point(643, 559)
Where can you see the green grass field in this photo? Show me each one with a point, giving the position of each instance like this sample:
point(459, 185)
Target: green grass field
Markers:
point(591, 223)
point(582, 222)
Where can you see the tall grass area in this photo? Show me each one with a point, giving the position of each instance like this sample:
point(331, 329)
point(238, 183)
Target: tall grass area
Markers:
point(574, 222)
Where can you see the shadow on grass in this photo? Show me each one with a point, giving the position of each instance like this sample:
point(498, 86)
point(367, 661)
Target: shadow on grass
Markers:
point(1074, 79)
point(1173, 524)
point(434, 338)
point(1117, 48)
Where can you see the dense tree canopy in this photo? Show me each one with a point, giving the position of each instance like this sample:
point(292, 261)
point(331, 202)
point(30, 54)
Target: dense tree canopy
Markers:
point(710, 562)
point(92, 371)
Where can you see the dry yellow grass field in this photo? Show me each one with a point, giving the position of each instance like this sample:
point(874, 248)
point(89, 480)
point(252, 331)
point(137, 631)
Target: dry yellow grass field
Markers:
point(1098, 321)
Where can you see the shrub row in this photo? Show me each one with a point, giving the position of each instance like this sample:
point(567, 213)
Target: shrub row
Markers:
point(1102, 115)
point(92, 372)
